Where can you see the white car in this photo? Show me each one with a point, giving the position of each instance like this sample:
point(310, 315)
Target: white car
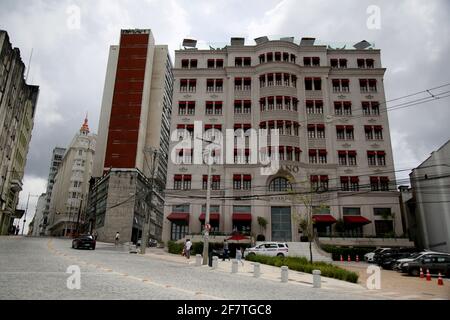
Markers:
point(368, 257)
point(272, 249)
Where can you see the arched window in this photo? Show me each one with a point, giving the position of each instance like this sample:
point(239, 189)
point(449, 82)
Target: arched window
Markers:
point(280, 184)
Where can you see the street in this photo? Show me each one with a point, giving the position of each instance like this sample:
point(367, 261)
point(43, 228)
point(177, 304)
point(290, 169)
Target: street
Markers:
point(35, 268)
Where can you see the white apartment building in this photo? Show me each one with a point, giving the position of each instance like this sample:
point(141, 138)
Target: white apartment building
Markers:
point(71, 185)
point(430, 203)
point(328, 105)
point(38, 220)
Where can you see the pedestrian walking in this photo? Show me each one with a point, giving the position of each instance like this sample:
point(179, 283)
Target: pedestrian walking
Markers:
point(95, 235)
point(187, 248)
point(239, 255)
point(226, 252)
point(117, 239)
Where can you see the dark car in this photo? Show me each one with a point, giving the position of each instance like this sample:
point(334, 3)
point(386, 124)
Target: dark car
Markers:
point(84, 241)
point(436, 263)
point(387, 259)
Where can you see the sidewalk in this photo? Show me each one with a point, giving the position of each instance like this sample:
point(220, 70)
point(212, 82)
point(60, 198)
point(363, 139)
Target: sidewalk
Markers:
point(267, 272)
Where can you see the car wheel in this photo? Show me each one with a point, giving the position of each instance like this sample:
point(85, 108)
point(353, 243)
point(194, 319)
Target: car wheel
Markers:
point(414, 272)
point(280, 255)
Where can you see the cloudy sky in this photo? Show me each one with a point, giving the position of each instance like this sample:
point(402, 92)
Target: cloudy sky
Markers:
point(69, 59)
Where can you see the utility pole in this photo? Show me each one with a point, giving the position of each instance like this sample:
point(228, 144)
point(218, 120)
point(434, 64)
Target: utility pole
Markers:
point(146, 224)
point(208, 206)
point(78, 218)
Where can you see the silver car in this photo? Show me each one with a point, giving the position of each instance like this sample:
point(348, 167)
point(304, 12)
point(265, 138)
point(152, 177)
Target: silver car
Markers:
point(273, 249)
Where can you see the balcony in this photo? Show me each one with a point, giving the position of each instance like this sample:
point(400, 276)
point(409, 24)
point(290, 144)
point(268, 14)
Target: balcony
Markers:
point(16, 185)
point(278, 91)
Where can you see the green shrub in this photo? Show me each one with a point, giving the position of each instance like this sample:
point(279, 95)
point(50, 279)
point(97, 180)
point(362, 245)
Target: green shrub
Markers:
point(303, 265)
point(174, 247)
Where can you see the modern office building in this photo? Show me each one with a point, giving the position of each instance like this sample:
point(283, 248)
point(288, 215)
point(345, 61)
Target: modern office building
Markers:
point(334, 139)
point(17, 110)
point(429, 207)
point(133, 139)
point(71, 184)
point(55, 162)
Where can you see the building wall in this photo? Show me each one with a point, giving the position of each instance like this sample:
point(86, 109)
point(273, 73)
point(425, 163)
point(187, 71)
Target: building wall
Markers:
point(17, 109)
point(429, 183)
point(105, 114)
point(298, 171)
point(38, 219)
point(55, 162)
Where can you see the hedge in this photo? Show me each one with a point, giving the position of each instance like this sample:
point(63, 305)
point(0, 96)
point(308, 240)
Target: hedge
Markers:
point(197, 247)
point(303, 265)
point(336, 252)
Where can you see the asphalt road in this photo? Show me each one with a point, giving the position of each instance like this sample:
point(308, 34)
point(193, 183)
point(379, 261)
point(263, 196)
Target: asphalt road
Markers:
point(36, 268)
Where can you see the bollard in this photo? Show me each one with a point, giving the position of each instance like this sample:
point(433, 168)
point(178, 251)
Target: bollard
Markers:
point(198, 260)
point(234, 266)
point(215, 262)
point(284, 274)
point(316, 279)
point(256, 269)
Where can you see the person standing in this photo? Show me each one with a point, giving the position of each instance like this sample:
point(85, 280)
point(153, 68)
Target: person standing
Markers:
point(239, 255)
point(95, 235)
point(117, 239)
point(187, 248)
point(226, 253)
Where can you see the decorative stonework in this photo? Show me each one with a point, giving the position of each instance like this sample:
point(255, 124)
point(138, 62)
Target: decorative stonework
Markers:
point(341, 96)
point(187, 96)
point(370, 97)
point(183, 169)
point(185, 119)
point(214, 96)
point(372, 120)
point(374, 145)
point(346, 145)
point(348, 171)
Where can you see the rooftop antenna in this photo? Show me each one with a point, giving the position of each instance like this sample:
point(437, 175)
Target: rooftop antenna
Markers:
point(29, 65)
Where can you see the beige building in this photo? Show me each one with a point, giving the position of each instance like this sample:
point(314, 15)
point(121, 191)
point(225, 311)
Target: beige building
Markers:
point(71, 184)
point(17, 111)
point(133, 139)
point(328, 105)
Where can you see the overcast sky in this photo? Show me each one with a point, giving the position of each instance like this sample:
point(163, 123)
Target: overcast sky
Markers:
point(69, 63)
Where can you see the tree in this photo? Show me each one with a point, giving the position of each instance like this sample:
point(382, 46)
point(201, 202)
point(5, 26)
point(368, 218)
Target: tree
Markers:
point(262, 223)
point(304, 220)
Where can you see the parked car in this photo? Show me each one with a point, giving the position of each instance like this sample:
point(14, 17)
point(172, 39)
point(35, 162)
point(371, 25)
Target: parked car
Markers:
point(273, 249)
point(422, 254)
point(388, 258)
point(434, 262)
point(84, 241)
point(368, 257)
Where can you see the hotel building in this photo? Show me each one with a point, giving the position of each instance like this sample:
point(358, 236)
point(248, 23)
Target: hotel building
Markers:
point(334, 139)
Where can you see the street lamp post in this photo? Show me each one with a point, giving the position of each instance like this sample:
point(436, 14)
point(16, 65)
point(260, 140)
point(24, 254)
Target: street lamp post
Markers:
point(26, 210)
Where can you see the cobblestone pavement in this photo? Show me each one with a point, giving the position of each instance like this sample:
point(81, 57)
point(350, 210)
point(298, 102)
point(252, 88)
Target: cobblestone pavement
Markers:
point(35, 268)
point(395, 284)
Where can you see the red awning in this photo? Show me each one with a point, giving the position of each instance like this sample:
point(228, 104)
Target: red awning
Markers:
point(242, 217)
point(324, 218)
point(356, 220)
point(178, 216)
point(212, 217)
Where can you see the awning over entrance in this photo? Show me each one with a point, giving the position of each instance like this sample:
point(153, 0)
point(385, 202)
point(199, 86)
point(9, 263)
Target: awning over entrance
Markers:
point(178, 216)
point(212, 217)
point(356, 220)
point(242, 217)
point(324, 218)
